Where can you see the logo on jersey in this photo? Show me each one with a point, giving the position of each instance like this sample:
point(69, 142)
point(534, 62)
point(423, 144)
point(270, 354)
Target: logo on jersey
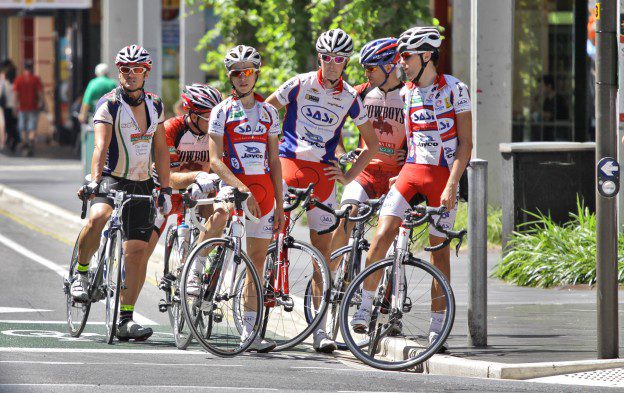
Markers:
point(311, 98)
point(448, 152)
point(313, 139)
point(327, 219)
point(252, 152)
point(382, 127)
point(237, 115)
point(234, 162)
point(319, 116)
point(422, 115)
point(138, 137)
point(445, 124)
point(425, 140)
point(126, 125)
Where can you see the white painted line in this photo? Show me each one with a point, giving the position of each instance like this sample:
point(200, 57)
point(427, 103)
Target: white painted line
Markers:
point(323, 368)
point(9, 310)
point(28, 168)
point(122, 363)
point(111, 387)
point(44, 322)
point(40, 205)
point(99, 350)
point(37, 362)
point(138, 318)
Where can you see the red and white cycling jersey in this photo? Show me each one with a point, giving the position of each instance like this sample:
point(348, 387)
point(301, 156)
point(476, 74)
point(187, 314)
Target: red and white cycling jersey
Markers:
point(430, 120)
point(385, 110)
point(315, 116)
point(245, 147)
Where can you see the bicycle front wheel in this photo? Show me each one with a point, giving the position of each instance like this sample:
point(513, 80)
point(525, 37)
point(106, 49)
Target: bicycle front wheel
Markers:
point(397, 339)
point(285, 316)
point(173, 270)
point(112, 280)
point(224, 316)
point(77, 312)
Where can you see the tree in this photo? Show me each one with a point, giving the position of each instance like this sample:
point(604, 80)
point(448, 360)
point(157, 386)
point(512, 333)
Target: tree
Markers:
point(285, 32)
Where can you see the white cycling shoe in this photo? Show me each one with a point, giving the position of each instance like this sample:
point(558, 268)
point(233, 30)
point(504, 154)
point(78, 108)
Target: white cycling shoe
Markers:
point(433, 337)
point(361, 320)
point(262, 345)
point(322, 342)
point(79, 286)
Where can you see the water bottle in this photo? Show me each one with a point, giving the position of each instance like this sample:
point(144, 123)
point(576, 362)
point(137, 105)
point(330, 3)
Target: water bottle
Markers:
point(183, 236)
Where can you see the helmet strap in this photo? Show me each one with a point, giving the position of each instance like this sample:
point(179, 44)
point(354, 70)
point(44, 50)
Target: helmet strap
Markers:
point(387, 74)
point(422, 69)
point(237, 94)
point(188, 119)
point(130, 100)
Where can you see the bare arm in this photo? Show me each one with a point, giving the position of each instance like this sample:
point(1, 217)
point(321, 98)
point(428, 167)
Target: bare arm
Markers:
point(102, 137)
point(464, 150)
point(181, 180)
point(161, 156)
point(276, 178)
point(216, 152)
point(274, 101)
point(370, 148)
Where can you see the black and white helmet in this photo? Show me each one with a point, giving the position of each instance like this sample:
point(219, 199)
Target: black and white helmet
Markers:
point(241, 54)
point(335, 41)
point(200, 98)
point(419, 39)
point(134, 54)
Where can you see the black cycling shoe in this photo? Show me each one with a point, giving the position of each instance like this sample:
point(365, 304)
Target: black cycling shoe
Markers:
point(130, 330)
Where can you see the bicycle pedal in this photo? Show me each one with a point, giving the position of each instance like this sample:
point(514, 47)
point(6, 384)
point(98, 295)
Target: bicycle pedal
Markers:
point(407, 305)
point(217, 317)
point(163, 305)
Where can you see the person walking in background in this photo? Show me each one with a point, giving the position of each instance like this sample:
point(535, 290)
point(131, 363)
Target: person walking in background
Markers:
point(29, 98)
point(96, 89)
point(7, 106)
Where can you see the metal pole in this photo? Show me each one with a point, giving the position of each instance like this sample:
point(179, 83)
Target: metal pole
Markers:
point(477, 245)
point(606, 209)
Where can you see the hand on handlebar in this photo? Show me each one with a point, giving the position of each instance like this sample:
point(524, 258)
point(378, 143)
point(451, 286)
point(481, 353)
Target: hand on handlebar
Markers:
point(334, 172)
point(88, 190)
point(164, 201)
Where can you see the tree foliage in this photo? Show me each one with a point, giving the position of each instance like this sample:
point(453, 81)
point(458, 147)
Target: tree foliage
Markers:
point(285, 32)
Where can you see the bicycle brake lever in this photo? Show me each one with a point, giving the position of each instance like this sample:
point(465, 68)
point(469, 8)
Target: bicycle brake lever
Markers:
point(458, 246)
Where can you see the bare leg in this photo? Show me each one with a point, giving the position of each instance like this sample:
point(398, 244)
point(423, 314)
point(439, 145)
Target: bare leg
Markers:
point(89, 239)
point(442, 260)
point(386, 232)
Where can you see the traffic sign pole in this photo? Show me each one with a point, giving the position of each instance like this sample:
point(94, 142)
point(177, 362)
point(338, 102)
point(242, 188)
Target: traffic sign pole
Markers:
point(606, 206)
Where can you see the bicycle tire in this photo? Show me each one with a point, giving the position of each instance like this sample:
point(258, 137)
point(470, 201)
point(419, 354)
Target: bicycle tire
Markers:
point(75, 323)
point(114, 262)
point(173, 268)
point(208, 325)
point(418, 354)
point(272, 324)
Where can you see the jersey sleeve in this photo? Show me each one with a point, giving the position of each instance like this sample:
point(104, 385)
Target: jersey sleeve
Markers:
point(287, 92)
point(275, 125)
point(102, 113)
point(217, 121)
point(357, 112)
point(171, 133)
point(461, 98)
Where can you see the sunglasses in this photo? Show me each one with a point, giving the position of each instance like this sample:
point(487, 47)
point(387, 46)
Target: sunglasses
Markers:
point(206, 119)
point(370, 68)
point(239, 73)
point(134, 70)
point(336, 59)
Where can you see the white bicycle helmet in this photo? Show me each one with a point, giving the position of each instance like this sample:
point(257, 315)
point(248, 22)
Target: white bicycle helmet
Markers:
point(419, 39)
point(200, 98)
point(134, 54)
point(335, 41)
point(241, 54)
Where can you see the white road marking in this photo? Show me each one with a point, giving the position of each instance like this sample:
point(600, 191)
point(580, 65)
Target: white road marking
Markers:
point(111, 387)
point(37, 362)
point(99, 350)
point(18, 168)
point(138, 318)
point(44, 322)
point(7, 310)
point(122, 363)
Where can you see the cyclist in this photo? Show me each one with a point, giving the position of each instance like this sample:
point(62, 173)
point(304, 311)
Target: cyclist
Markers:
point(188, 153)
point(384, 104)
point(439, 131)
point(244, 153)
point(317, 104)
point(128, 126)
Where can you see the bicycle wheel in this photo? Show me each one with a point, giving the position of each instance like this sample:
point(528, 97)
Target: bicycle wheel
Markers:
point(112, 280)
point(77, 312)
point(285, 321)
point(211, 316)
point(398, 339)
point(172, 272)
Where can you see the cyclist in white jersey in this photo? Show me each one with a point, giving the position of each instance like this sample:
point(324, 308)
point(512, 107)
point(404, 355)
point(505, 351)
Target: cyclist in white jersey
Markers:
point(317, 105)
point(382, 99)
point(128, 130)
point(438, 123)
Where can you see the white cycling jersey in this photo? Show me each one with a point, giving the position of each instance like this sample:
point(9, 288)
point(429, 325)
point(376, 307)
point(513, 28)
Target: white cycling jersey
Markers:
point(129, 154)
point(315, 116)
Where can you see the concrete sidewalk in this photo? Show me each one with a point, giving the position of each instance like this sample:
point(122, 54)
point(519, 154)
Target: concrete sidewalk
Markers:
point(525, 325)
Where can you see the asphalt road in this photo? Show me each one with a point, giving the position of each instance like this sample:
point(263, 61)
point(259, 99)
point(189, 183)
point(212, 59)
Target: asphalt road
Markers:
point(37, 355)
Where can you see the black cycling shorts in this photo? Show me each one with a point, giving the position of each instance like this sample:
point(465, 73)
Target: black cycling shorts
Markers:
point(137, 216)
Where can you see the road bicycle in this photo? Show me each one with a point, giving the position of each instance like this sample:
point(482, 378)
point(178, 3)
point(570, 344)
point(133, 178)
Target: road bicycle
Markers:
point(228, 282)
point(398, 335)
point(106, 268)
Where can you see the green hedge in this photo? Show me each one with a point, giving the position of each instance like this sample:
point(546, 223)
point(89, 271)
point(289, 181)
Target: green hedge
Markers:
point(543, 254)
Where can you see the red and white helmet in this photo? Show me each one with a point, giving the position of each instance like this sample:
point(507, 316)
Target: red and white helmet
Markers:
point(134, 55)
point(200, 98)
point(419, 39)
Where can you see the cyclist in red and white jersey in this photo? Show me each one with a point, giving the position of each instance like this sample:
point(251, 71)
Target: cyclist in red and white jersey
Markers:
point(382, 99)
point(187, 140)
point(244, 153)
point(438, 123)
point(317, 105)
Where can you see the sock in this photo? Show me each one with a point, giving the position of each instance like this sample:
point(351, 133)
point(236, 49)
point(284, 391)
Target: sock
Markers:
point(82, 269)
point(125, 314)
point(249, 319)
point(199, 265)
point(436, 321)
point(367, 299)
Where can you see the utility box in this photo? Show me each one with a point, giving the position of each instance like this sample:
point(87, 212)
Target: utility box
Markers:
point(546, 177)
